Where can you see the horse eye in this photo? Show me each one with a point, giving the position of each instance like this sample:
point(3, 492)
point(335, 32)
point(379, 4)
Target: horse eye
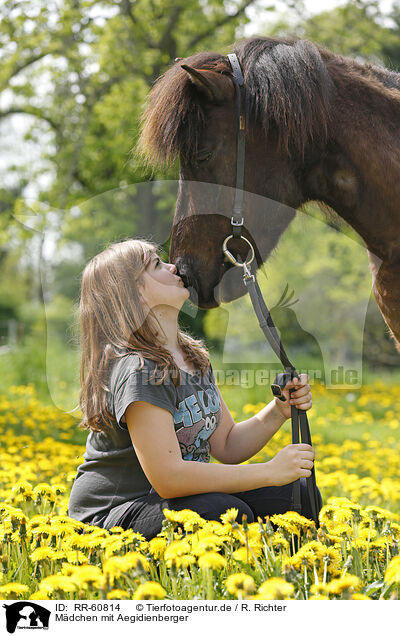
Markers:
point(204, 155)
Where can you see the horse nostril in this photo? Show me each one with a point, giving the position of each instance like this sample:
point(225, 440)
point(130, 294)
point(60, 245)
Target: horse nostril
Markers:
point(181, 271)
point(185, 278)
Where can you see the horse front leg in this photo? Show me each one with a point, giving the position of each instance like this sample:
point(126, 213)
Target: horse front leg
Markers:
point(386, 289)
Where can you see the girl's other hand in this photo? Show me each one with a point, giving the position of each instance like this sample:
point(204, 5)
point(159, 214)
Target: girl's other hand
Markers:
point(301, 397)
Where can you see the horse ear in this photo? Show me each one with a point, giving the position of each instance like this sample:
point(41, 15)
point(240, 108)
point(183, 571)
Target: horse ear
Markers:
point(211, 84)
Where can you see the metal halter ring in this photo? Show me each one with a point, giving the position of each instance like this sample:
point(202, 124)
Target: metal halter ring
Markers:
point(231, 257)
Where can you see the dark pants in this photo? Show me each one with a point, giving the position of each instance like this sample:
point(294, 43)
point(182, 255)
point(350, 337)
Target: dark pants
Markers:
point(145, 514)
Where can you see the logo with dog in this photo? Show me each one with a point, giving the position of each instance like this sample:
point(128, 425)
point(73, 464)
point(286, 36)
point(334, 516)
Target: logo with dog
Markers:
point(26, 615)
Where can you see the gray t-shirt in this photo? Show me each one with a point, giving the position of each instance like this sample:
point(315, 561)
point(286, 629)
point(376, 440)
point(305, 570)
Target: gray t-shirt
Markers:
point(111, 476)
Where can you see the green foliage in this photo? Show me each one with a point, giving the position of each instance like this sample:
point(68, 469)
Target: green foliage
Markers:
point(356, 29)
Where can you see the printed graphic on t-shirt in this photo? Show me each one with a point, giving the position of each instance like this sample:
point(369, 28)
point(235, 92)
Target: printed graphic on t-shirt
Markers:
point(195, 420)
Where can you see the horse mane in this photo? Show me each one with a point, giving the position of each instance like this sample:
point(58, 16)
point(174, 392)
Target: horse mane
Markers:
point(289, 92)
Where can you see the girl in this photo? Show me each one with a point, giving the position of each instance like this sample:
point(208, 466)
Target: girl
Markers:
point(155, 415)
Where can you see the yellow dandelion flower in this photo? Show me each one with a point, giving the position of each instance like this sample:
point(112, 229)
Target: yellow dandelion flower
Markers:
point(58, 489)
point(253, 530)
point(129, 536)
point(44, 529)
point(184, 561)
point(45, 552)
point(67, 569)
point(68, 521)
point(292, 522)
point(343, 515)
point(318, 589)
point(115, 566)
point(112, 545)
point(395, 530)
point(149, 590)
point(275, 588)
point(380, 513)
point(215, 527)
point(14, 589)
point(210, 543)
point(346, 582)
point(43, 489)
point(229, 516)
point(15, 514)
point(177, 548)
point(341, 530)
point(359, 597)
point(39, 596)
point(80, 541)
point(244, 555)
point(238, 584)
point(181, 516)
point(367, 532)
point(37, 520)
point(278, 541)
point(157, 547)
point(392, 574)
point(76, 557)
point(319, 597)
point(22, 486)
point(118, 595)
point(212, 561)
point(83, 575)
point(98, 541)
point(344, 502)
point(192, 525)
point(56, 582)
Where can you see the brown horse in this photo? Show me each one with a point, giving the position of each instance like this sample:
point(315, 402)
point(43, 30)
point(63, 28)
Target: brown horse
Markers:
point(320, 127)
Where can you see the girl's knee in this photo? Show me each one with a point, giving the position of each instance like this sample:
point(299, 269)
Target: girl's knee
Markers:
point(216, 504)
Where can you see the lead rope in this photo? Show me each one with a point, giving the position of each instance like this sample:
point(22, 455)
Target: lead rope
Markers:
point(300, 424)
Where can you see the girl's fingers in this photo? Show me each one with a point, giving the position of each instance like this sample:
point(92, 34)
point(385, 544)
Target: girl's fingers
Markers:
point(302, 401)
point(302, 391)
point(297, 383)
point(301, 397)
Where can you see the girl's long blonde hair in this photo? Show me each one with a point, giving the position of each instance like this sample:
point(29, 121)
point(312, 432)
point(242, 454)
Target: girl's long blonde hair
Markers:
point(114, 323)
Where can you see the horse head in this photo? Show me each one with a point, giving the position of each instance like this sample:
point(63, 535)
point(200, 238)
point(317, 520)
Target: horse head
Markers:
point(191, 115)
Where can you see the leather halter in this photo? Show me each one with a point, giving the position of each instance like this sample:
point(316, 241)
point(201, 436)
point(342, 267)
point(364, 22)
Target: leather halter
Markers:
point(300, 425)
point(237, 219)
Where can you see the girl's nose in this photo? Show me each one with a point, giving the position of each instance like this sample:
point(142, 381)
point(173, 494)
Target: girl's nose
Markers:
point(173, 267)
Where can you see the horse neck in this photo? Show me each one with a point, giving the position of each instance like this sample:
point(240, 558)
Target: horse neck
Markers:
point(358, 175)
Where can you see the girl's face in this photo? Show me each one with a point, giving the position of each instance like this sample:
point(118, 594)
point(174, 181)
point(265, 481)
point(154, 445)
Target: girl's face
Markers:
point(161, 285)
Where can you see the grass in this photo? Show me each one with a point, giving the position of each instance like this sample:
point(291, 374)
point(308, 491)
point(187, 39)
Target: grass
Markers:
point(353, 555)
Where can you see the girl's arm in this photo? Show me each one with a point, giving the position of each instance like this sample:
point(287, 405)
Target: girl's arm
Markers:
point(233, 443)
point(153, 436)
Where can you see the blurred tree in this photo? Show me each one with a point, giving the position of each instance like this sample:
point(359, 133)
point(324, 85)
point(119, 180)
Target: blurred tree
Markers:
point(79, 71)
point(358, 29)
